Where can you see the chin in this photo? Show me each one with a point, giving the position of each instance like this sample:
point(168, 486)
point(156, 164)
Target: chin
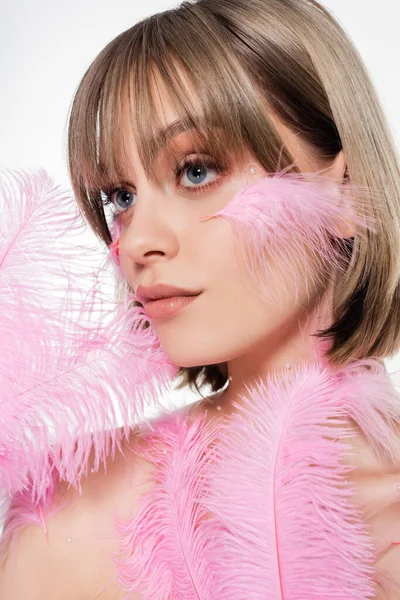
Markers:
point(193, 343)
point(191, 356)
point(194, 358)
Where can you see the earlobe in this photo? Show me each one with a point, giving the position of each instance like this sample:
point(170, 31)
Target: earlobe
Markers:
point(338, 172)
point(339, 167)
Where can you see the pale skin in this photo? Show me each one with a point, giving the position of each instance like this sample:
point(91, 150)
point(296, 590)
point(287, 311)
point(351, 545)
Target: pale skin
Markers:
point(162, 238)
point(161, 241)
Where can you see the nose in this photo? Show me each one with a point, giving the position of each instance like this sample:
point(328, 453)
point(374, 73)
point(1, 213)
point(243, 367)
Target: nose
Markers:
point(150, 234)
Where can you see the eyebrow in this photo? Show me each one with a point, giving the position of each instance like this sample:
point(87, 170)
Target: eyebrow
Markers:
point(162, 138)
point(166, 134)
point(173, 129)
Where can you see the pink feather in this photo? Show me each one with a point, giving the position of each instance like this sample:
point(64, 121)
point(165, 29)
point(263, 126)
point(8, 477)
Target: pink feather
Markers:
point(373, 402)
point(76, 363)
point(168, 548)
point(288, 222)
point(22, 511)
point(263, 498)
point(298, 534)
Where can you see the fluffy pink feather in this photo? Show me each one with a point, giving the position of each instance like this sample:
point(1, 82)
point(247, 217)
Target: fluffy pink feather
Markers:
point(273, 481)
point(168, 549)
point(288, 222)
point(373, 402)
point(23, 511)
point(76, 363)
point(298, 532)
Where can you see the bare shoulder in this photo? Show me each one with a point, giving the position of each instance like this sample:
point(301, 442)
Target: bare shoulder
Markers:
point(376, 482)
point(73, 559)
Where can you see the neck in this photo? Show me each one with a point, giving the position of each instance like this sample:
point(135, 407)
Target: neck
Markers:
point(290, 346)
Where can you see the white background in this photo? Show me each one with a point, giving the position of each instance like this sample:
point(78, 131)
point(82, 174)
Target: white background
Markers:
point(46, 46)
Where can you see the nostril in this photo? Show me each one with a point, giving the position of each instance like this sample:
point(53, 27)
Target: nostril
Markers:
point(156, 252)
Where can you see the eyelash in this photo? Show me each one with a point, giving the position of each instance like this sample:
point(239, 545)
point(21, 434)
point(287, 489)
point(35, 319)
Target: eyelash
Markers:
point(178, 171)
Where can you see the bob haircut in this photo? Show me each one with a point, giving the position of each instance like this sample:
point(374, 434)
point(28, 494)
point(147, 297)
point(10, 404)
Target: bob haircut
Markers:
point(243, 56)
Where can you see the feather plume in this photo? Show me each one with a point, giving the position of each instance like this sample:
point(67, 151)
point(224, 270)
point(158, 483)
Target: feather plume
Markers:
point(277, 517)
point(294, 531)
point(76, 363)
point(373, 402)
point(167, 548)
point(22, 511)
point(288, 222)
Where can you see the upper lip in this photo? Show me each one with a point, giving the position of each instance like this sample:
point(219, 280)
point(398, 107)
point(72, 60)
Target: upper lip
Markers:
point(162, 290)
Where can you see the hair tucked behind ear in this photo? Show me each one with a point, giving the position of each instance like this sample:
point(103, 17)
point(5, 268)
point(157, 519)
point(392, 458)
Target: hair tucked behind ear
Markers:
point(292, 57)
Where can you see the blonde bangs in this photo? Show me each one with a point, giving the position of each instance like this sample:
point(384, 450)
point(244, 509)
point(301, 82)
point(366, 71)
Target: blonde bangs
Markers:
point(230, 112)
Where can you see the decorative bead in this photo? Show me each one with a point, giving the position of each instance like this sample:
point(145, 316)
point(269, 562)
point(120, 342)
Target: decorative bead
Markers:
point(252, 171)
point(92, 470)
point(398, 488)
point(288, 366)
point(218, 407)
point(68, 540)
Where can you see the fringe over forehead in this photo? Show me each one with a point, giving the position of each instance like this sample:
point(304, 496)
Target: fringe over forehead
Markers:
point(218, 102)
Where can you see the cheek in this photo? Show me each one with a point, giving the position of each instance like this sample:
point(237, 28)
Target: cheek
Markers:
point(231, 316)
point(268, 293)
point(126, 267)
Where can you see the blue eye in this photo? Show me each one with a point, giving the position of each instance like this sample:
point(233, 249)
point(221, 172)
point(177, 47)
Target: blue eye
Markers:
point(195, 172)
point(122, 199)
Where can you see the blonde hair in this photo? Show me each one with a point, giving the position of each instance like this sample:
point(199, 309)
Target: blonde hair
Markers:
point(241, 56)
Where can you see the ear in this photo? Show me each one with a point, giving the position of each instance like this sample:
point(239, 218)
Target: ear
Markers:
point(338, 167)
point(337, 172)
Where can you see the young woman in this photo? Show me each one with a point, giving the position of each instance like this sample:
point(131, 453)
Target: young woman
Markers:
point(255, 196)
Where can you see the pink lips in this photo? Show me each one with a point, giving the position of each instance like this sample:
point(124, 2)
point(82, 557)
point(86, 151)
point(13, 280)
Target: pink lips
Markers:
point(167, 307)
point(162, 300)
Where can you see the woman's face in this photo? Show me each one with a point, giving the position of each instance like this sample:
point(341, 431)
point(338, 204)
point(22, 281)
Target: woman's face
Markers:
point(163, 240)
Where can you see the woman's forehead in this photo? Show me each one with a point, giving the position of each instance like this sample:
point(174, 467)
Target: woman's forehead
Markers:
point(142, 121)
point(164, 107)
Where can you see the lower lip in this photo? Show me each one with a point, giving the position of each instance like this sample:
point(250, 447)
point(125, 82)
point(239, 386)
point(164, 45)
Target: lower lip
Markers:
point(167, 307)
